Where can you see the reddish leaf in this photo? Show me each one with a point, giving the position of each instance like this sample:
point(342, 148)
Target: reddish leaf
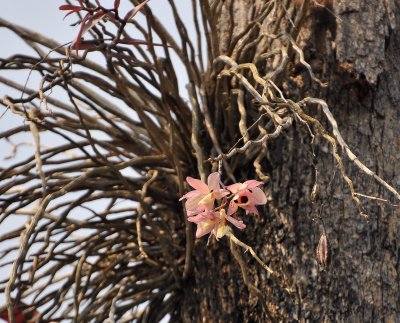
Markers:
point(22, 313)
point(134, 11)
point(19, 316)
point(77, 40)
point(86, 45)
point(72, 8)
point(69, 7)
point(88, 23)
point(91, 22)
point(73, 11)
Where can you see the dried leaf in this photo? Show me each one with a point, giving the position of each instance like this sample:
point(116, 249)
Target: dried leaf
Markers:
point(126, 57)
point(133, 41)
point(323, 251)
point(111, 16)
point(134, 11)
point(314, 193)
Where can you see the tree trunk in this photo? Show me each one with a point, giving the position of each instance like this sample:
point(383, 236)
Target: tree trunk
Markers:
point(357, 53)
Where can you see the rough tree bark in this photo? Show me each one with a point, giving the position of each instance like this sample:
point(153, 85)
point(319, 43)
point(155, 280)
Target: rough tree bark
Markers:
point(357, 52)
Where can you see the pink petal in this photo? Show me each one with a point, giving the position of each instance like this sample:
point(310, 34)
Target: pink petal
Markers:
point(198, 185)
point(234, 188)
point(189, 195)
point(232, 208)
point(258, 196)
point(220, 194)
point(203, 228)
point(194, 212)
point(198, 218)
point(237, 223)
point(193, 203)
point(250, 209)
point(213, 182)
point(253, 183)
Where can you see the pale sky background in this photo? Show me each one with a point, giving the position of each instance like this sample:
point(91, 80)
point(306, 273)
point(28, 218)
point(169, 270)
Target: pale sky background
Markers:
point(43, 16)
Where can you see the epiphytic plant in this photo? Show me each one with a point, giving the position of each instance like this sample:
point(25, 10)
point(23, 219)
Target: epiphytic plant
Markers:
point(98, 234)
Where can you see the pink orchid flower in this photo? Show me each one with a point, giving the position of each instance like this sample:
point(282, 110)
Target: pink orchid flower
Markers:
point(204, 195)
point(247, 196)
point(215, 222)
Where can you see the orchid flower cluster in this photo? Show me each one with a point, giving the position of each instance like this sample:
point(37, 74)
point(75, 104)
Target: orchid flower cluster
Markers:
point(212, 207)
